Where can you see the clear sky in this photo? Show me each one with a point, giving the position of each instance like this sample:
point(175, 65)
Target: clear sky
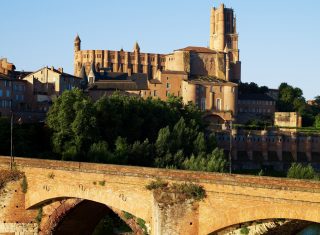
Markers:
point(279, 39)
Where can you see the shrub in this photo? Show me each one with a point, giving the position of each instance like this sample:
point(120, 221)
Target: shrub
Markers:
point(102, 183)
point(127, 215)
point(244, 230)
point(39, 215)
point(7, 176)
point(298, 171)
point(142, 225)
point(158, 184)
point(24, 185)
point(190, 190)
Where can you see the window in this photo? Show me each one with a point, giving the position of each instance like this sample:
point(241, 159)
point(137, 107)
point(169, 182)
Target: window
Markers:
point(168, 85)
point(8, 93)
point(167, 93)
point(218, 104)
point(203, 104)
point(154, 93)
point(1, 93)
point(221, 88)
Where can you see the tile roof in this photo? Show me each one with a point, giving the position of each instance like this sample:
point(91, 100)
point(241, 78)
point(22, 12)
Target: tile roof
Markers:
point(120, 81)
point(197, 49)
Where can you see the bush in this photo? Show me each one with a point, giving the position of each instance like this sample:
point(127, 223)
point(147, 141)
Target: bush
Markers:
point(39, 215)
point(244, 230)
point(298, 171)
point(24, 185)
point(127, 215)
point(158, 184)
point(190, 190)
point(8, 175)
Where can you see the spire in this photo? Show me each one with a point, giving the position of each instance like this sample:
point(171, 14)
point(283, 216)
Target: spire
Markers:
point(92, 74)
point(77, 39)
point(136, 47)
point(77, 44)
point(84, 80)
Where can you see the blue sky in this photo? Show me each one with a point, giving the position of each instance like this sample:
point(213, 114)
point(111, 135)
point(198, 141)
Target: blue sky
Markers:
point(279, 39)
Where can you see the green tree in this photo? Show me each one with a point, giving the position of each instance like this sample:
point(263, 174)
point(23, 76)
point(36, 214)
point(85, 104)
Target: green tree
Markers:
point(199, 144)
point(100, 153)
point(121, 151)
point(141, 154)
point(72, 120)
point(214, 162)
point(163, 141)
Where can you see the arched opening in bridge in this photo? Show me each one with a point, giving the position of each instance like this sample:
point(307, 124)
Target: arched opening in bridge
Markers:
point(85, 217)
point(272, 227)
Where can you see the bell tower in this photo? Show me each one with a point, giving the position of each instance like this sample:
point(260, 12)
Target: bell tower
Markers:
point(77, 44)
point(223, 34)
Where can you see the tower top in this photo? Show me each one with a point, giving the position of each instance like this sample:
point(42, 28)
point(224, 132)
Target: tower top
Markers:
point(77, 39)
point(136, 47)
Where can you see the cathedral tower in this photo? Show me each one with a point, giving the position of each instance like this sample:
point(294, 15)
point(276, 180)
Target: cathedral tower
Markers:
point(223, 34)
point(77, 44)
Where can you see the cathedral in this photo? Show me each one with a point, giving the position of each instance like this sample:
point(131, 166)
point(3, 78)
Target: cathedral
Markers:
point(208, 77)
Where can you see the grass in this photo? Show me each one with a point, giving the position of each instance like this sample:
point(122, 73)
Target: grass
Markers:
point(8, 175)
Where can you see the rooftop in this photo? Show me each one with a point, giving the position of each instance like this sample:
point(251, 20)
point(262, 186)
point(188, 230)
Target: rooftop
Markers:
point(197, 49)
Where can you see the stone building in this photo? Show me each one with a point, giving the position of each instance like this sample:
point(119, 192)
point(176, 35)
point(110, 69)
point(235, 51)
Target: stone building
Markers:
point(12, 91)
point(46, 84)
point(207, 77)
point(255, 107)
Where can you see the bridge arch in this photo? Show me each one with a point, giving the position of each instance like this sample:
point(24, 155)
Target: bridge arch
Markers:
point(250, 213)
point(80, 217)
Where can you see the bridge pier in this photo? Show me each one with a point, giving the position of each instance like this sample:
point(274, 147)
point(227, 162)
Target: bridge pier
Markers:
point(173, 215)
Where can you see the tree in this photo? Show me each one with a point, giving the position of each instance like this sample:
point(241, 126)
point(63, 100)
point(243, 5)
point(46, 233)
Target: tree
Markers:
point(214, 162)
point(100, 153)
point(73, 123)
point(121, 151)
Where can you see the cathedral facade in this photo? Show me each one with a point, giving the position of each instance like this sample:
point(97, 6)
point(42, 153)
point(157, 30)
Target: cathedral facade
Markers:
point(208, 77)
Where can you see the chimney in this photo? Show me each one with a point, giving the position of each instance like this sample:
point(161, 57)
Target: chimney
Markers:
point(60, 70)
point(52, 68)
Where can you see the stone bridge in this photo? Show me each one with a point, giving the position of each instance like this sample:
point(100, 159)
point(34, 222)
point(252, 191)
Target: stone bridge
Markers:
point(230, 200)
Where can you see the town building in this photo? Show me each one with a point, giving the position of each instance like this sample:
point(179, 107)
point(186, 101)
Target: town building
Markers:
point(208, 77)
point(255, 107)
point(44, 85)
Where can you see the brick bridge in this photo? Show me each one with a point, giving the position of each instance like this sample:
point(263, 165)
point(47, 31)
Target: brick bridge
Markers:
point(231, 199)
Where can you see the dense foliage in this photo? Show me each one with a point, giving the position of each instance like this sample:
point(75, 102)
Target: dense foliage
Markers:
point(129, 130)
point(291, 100)
point(29, 140)
point(299, 171)
point(252, 88)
